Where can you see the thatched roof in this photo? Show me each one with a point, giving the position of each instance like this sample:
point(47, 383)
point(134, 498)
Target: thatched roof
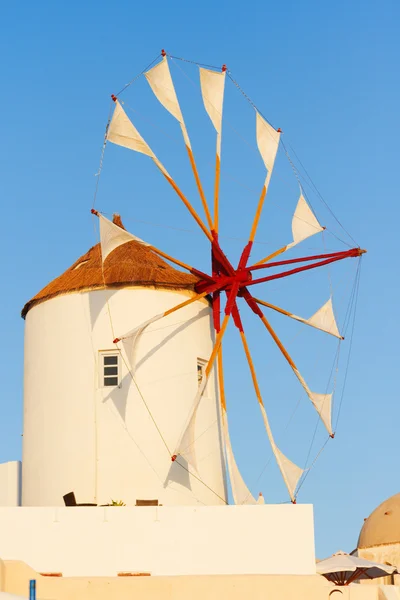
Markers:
point(131, 264)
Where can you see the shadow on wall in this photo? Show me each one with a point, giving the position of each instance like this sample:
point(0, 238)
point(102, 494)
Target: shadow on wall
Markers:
point(178, 473)
point(97, 302)
point(119, 396)
point(169, 337)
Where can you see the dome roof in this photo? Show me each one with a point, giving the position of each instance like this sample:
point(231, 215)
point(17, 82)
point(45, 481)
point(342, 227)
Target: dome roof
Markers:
point(131, 264)
point(383, 525)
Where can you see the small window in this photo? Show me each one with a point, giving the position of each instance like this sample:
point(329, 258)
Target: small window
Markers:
point(109, 369)
point(201, 370)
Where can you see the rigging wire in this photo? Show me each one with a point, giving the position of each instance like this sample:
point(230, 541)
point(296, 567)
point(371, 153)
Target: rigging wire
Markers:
point(201, 481)
point(137, 76)
point(334, 367)
point(321, 197)
point(350, 346)
point(297, 174)
point(307, 471)
point(108, 123)
point(103, 149)
point(353, 302)
point(193, 62)
point(335, 362)
point(329, 266)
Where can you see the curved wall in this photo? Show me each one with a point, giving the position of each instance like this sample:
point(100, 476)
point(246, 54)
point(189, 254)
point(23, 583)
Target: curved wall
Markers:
point(115, 443)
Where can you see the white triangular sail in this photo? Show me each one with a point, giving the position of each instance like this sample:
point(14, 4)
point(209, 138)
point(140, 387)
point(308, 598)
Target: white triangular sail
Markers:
point(112, 236)
point(267, 141)
point(240, 491)
point(323, 405)
point(212, 86)
point(122, 132)
point(324, 319)
point(160, 81)
point(187, 448)
point(322, 402)
point(304, 223)
point(186, 443)
point(290, 472)
point(212, 89)
point(130, 340)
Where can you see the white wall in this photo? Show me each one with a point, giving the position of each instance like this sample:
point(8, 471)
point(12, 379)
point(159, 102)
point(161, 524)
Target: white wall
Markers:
point(102, 443)
point(266, 539)
point(10, 483)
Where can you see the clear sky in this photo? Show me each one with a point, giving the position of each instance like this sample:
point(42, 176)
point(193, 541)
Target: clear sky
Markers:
point(327, 74)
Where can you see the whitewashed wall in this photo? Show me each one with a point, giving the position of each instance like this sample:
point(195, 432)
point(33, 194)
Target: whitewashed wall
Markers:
point(167, 540)
point(102, 443)
point(10, 483)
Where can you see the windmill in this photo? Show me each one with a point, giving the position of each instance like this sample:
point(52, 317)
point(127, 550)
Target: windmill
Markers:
point(228, 286)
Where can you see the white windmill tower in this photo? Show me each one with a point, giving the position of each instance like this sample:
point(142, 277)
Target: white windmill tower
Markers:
point(94, 426)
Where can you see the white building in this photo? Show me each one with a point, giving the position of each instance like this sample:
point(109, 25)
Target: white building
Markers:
point(102, 423)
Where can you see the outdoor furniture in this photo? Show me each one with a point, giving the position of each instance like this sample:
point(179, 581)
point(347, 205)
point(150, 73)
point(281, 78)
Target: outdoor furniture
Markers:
point(70, 500)
point(342, 568)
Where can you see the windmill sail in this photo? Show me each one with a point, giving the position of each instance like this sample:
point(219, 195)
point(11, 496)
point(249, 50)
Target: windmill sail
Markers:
point(160, 81)
point(130, 340)
point(322, 403)
point(212, 89)
point(304, 225)
point(186, 444)
point(240, 491)
point(324, 319)
point(267, 142)
point(122, 132)
point(112, 236)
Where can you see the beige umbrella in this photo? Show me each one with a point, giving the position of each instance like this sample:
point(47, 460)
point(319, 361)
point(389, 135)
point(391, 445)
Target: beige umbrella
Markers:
point(342, 568)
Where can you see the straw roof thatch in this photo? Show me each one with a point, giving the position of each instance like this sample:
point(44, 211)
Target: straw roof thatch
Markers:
point(131, 264)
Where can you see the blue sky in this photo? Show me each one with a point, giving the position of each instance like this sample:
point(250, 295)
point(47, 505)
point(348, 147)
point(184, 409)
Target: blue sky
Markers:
point(326, 73)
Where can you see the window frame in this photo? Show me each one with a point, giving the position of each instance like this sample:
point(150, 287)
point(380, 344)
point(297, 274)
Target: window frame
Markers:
point(102, 367)
point(200, 362)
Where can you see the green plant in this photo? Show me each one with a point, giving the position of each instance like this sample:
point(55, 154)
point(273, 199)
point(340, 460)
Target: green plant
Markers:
point(117, 503)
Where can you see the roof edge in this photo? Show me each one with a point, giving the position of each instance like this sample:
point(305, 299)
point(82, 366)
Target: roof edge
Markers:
point(127, 285)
